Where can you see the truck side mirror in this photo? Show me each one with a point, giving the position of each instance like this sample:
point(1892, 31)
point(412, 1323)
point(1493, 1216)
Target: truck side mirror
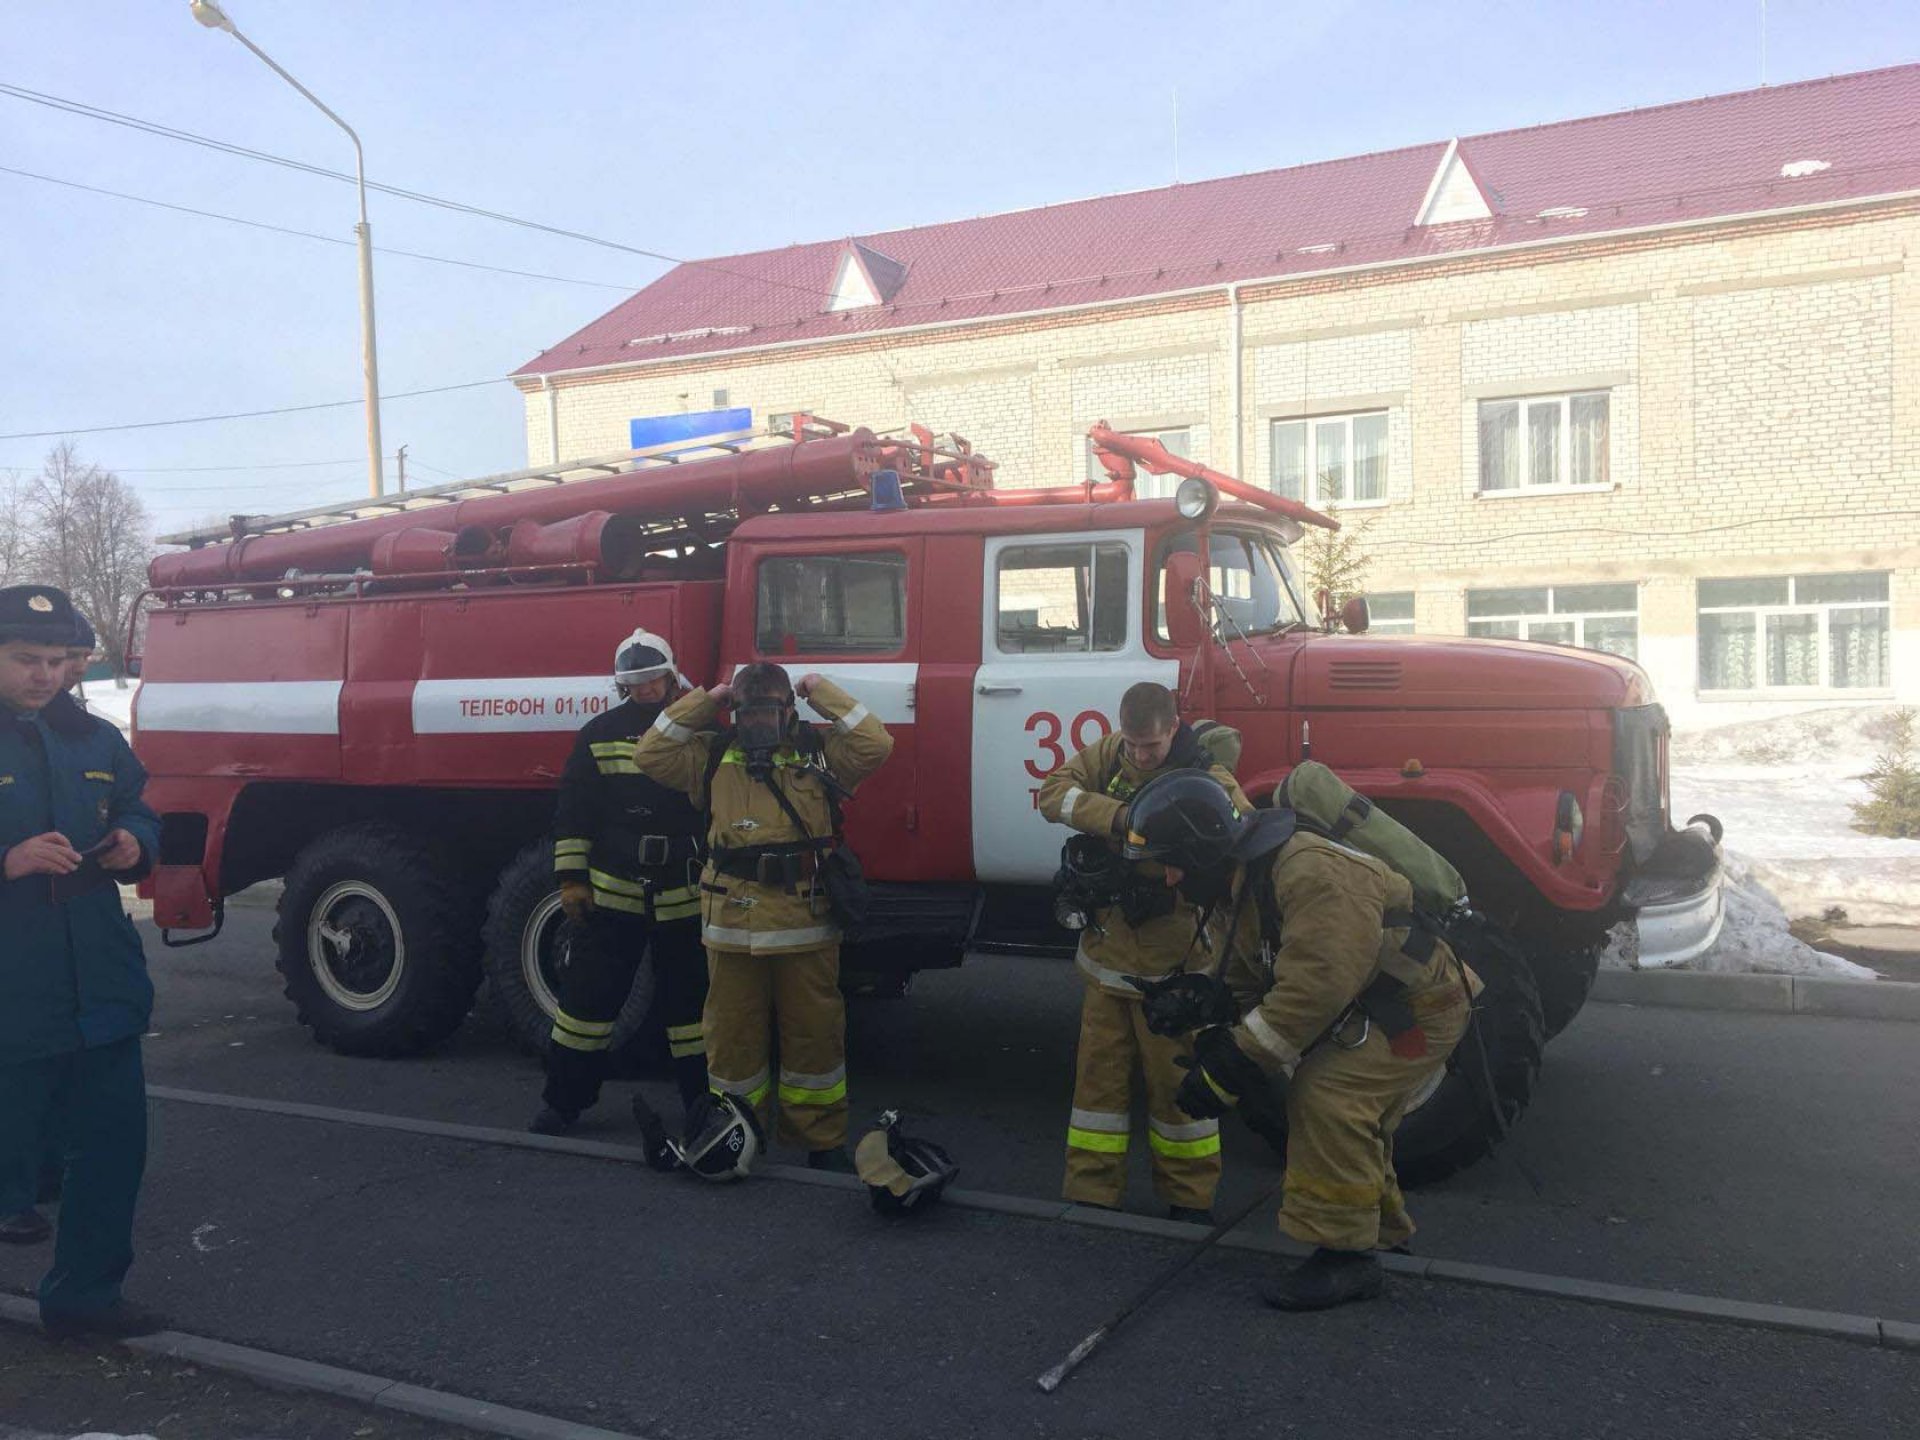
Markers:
point(1179, 597)
point(1355, 616)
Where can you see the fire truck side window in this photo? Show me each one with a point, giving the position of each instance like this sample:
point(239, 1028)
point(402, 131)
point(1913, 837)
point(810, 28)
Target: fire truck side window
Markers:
point(1062, 599)
point(832, 604)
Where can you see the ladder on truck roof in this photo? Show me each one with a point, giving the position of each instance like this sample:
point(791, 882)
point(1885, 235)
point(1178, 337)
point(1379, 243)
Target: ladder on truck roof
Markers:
point(668, 454)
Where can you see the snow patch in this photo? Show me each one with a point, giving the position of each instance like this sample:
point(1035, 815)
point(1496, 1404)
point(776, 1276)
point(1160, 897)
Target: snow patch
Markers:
point(112, 704)
point(1795, 169)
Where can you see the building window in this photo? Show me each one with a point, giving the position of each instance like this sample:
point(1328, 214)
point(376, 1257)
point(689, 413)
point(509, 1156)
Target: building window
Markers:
point(832, 604)
point(1390, 614)
point(1544, 441)
point(1061, 599)
point(1594, 617)
point(1346, 455)
point(1795, 632)
point(1147, 486)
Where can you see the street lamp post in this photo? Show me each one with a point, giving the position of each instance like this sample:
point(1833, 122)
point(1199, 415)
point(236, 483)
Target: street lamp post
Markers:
point(209, 13)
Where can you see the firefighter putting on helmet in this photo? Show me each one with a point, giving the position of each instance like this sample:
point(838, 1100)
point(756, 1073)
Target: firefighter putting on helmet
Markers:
point(1332, 1004)
point(1132, 923)
point(625, 853)
point(774, 878)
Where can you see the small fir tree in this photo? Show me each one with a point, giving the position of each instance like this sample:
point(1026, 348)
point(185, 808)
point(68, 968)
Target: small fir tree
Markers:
point(1893, 785)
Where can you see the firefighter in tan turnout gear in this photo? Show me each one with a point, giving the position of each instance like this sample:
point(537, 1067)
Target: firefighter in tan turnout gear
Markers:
point(1331, 1001)
point(623, 854)
point(1137, 927)
point(769, 785)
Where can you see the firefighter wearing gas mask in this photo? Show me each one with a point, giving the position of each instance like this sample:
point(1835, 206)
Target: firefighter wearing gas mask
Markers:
point(1332, 1004)
point(1138, 927)
point(625, 853)
point(771, 787)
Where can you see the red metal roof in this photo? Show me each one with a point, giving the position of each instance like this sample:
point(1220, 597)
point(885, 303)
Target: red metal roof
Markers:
point(1696, 160)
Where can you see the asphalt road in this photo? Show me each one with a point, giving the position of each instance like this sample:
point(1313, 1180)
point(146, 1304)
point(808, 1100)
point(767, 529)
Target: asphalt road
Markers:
point(1758, 1157)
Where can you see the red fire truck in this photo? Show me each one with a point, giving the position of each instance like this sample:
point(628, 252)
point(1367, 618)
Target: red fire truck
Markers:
point(374, 702)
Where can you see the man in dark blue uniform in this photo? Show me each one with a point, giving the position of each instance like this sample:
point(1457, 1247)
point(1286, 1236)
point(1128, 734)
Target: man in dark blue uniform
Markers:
point(74, 993)
point(21, 1188)
point(625, 854)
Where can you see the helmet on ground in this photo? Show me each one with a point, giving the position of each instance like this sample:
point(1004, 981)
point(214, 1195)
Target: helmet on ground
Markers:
point(642, 656)
point(902, 1174)
point(1185, 820)
point(723, 1137)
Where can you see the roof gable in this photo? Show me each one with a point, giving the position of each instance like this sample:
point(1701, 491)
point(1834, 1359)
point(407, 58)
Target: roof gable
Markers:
point(1453, 194)
point(1851, 137)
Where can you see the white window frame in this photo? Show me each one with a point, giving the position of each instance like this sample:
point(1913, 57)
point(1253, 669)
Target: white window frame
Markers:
point(1391, 627)
point(1313, 424)
point(1760, 689)
point(1146, 485)
point(1554, 616)
point(1563, 482)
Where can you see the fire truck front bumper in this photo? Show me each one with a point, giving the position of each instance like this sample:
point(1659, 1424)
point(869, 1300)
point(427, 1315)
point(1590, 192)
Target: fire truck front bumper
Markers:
point(1679, 896)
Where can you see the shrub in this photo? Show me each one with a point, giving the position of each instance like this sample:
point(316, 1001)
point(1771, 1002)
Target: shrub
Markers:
point(1893, 785)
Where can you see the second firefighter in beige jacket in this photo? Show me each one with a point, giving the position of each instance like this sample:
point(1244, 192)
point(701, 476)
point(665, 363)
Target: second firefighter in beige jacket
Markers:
point(773, 947)
point(1090, 793)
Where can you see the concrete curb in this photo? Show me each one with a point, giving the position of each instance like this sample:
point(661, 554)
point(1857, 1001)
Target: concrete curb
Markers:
point(1780, 994)
point(287, 1372)
point(1829, 1324)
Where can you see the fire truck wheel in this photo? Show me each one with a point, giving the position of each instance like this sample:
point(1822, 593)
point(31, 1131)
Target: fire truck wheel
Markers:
point(525, 948)
point(378, 941)
point(1452, 1124)
point(1565, 978)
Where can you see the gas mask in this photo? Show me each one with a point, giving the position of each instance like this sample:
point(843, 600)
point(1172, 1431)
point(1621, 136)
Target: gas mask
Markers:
point(1207, 886)
point(762, 726)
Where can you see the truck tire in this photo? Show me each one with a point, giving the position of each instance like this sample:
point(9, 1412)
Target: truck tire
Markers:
point(378, 941)
point(524, 949)
point(1452, 1126)
point(1565, 979)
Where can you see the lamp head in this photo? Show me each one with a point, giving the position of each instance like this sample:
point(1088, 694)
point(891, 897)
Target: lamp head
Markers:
point(211, 15)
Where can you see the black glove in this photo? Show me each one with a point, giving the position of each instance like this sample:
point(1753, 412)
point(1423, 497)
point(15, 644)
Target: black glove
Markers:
point(1186, 1001)
point(1219, 1076)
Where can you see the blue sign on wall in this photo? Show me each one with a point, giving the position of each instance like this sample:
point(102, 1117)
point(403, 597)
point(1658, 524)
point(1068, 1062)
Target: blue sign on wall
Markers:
point(667, 429)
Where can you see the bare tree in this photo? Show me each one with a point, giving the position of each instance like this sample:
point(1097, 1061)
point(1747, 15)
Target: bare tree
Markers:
point(88, 535)
point(14, 529)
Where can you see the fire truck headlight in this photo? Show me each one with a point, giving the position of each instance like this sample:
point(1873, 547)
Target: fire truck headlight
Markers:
point(1195, 499)
point(1568, 826)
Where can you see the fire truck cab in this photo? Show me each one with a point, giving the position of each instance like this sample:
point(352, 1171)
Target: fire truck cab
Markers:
point(377, 706)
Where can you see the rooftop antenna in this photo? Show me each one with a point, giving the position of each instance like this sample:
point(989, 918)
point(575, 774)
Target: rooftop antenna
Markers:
point(1176, 134)
point(1763, 43)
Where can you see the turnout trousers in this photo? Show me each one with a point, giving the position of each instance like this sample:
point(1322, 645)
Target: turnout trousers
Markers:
point(797, 995)
point(91, 1107)
point(1342, 1109)
point(1115, 1044)
point(603, 955)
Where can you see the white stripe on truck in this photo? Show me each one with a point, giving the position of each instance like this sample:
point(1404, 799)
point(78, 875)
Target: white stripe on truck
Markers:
point(239, 707)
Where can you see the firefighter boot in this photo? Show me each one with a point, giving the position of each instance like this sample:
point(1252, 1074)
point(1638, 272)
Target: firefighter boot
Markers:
point(552, 1122)
point(26, 1227)
point(1328, 1278)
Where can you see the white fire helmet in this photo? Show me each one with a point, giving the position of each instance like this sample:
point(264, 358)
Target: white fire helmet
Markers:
point(642, 656)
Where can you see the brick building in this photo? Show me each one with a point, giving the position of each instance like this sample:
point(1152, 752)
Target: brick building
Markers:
point(1648, 382)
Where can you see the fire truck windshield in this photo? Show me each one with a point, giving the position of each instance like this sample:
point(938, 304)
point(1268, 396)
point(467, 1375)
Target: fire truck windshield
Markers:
point(1254, 591)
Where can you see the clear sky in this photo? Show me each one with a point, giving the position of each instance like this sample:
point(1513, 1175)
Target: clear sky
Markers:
point(696, 130)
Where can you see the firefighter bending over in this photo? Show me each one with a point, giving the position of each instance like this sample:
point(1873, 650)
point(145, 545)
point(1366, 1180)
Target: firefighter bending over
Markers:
point(770, 786)
point(1134, 925)
point(624, 853)
point(1332, 1002)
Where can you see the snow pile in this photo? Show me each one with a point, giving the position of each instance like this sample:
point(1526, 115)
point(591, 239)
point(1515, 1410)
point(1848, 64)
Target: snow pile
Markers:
point(111, 703)
point(1784, 789)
